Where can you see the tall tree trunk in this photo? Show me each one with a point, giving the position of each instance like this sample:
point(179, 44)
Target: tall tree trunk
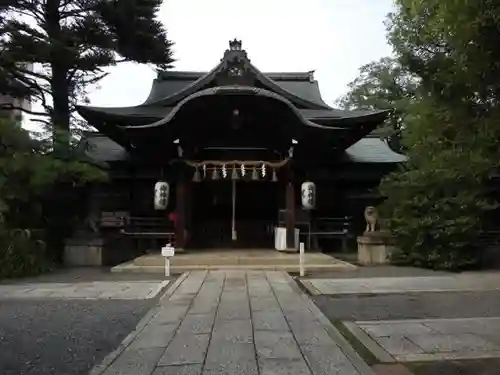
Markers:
point(58, 227)
point(59, 83)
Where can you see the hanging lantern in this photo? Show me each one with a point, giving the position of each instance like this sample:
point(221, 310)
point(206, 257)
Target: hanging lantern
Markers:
point(255, 175)
point(263, 170)
point(215, 174)
point(243, 170)
point(204, 171)
point(162, 192)
point(308, 195)
point(234, 174)
point(224, 171)
point(196, 176)
point(275, 177)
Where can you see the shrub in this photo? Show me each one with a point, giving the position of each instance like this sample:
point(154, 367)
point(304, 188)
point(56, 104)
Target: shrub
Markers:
point(437, 202)
point(22, 253)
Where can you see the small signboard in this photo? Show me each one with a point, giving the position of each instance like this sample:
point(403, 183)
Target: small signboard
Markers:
point(167, 251)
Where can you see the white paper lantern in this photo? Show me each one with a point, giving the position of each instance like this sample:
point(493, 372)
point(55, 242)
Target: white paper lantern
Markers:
point(162, 193)
point(308, 195)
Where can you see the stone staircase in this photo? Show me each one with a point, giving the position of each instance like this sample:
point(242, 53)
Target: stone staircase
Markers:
point(233, 259)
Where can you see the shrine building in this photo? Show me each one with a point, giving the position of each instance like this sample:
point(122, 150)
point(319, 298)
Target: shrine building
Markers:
point(226, 158)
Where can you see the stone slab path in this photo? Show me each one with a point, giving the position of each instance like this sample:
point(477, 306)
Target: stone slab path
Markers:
point(84, 290)
point(487, 281)
point(230, 322)
point(430, 339)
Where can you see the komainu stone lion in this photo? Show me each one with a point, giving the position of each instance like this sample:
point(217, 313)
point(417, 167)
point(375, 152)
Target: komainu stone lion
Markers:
point(371, 217)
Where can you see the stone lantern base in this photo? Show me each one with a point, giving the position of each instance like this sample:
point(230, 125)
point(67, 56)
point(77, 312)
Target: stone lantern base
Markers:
point(374, 248)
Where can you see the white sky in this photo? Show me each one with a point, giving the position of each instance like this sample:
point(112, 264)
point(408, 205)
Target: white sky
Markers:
point(333, 37)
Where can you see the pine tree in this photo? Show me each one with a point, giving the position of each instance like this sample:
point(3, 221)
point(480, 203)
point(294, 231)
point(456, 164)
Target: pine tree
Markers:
point(69, 43)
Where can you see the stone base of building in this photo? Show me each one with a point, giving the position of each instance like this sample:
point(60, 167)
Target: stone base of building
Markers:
point(374, 248)
point(96, 251)
point(234, 259)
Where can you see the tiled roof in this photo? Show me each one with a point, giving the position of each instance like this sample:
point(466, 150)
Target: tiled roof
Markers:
point(373, 150)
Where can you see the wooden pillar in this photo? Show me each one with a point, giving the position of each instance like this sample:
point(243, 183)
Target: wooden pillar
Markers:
point(189, 211)
point(290, 214)
point(180, 228)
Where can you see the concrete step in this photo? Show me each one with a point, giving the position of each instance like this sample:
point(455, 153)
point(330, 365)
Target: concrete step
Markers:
point(130, 267)
point(233, 260)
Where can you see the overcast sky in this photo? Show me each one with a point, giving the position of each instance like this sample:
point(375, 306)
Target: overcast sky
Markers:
point(332, 37)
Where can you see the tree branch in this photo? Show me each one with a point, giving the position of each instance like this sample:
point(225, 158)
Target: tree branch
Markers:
point(45, 122)
point(34, 74)
point(12, 107)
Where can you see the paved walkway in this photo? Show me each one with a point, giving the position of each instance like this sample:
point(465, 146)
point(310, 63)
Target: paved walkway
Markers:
point(484, 281)
point(84, 290)
point(430, 339)
point(234, 323)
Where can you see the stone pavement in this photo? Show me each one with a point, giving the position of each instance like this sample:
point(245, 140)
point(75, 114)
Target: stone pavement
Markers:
point(221, 322)
point(83, 290)
point(470, 281)
point(430, 339)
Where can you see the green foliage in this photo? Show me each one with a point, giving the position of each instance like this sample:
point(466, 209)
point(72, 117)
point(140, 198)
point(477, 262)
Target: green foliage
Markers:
point(34, 185)
point(383, 84)
point(437, 203)
point(453, 45)
point(65, 45)
point(21, 254)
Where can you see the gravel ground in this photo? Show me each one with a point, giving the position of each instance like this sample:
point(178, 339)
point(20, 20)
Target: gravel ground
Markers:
point(63, 337)
point(85, 274)
point(468, 367)
point(410, 306)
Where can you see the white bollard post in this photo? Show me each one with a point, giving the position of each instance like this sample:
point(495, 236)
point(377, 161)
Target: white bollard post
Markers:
point(167, 267)
point(301, 259)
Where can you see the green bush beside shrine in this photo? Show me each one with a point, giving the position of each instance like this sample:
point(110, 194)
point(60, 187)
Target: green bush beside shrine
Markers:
point(38, 208)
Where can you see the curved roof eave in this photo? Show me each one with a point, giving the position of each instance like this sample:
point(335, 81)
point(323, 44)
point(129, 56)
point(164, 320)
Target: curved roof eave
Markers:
point(155, 113)
point(114, 132)
point(122, 113)
point(368, 117)
point(232, 90)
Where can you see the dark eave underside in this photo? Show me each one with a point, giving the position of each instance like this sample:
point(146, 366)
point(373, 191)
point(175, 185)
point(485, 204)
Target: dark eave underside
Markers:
point(167, 75)
point(367, 150)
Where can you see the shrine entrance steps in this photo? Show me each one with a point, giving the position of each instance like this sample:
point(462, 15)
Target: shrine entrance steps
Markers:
point(233, 259)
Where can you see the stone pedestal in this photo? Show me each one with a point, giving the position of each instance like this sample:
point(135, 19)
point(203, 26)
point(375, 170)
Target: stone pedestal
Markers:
point(375, 248)
point(80, 252)
point(98, 250)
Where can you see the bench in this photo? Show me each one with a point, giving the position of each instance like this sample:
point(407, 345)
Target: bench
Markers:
point(332, 227)
point(489, 237)
point(112, 219)
point(153, 228)
point(489, 242)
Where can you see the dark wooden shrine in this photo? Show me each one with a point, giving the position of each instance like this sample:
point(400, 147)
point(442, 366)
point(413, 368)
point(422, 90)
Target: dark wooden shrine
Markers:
point(235, 145)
